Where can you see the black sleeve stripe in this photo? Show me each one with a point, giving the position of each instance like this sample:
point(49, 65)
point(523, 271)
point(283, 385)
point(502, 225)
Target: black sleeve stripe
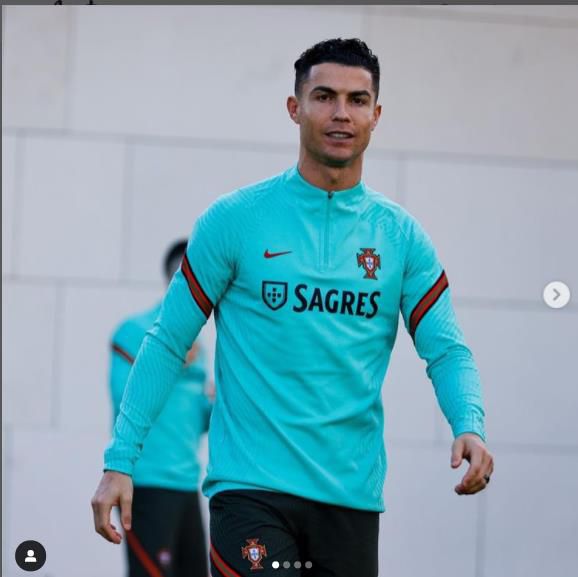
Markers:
point(427, 302)
point(201, 298)
point(120, 351)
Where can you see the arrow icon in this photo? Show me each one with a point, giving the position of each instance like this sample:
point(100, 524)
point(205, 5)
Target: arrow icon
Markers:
point(558, 293)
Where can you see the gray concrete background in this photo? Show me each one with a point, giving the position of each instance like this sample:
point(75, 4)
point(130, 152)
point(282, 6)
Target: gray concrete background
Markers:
point(121, 124)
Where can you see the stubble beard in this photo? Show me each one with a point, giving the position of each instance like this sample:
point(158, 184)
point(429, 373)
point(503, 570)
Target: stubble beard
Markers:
point(330, 161)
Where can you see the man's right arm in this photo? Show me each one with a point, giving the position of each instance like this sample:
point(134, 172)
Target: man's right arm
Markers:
point(206, 271)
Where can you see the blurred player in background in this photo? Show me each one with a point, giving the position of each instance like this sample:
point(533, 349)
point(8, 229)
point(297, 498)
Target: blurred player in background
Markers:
point(167, 536)
point(307, 273)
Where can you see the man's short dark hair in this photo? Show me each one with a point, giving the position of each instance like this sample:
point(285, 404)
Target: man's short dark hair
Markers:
point(173, 258)
point(349, 52)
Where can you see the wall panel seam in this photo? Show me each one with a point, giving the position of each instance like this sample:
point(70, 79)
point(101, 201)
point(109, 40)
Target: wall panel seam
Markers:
point(410, 155)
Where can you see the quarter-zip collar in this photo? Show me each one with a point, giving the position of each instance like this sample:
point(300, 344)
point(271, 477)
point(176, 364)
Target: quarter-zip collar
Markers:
point(310, 196)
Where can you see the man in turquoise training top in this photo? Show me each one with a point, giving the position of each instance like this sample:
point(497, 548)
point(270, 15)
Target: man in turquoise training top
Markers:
point(307, 273)
point(167, 535)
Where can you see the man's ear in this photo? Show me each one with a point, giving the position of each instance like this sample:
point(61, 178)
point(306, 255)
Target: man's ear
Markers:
point(293, 108)
point(376, 116)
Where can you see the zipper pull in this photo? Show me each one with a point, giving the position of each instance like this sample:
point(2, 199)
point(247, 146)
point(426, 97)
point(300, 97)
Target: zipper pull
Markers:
point(330, 194)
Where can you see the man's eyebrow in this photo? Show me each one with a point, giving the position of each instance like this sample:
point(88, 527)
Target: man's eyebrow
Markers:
point(324, 89)
point(360, 93)
point(329, 90)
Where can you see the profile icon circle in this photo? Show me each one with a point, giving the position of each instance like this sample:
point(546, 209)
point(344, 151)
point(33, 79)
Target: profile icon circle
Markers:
point(30, 555)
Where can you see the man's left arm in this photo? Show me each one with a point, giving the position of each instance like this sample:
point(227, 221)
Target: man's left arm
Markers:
point(430, 320)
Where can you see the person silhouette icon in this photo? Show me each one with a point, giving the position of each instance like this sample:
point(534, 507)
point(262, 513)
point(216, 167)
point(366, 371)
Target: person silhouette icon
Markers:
point(30, 557)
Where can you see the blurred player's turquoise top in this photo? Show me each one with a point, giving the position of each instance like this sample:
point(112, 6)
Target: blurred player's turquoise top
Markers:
point(169, 457)
point(307, 287)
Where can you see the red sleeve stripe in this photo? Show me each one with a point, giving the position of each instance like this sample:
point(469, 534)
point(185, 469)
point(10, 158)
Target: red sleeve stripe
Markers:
point(198, 293)
point(221, 566)
point(122, 353)
point(142, 555)
point(427, 302)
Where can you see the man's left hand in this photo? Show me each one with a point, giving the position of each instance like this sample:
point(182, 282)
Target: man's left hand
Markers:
point(470, 447)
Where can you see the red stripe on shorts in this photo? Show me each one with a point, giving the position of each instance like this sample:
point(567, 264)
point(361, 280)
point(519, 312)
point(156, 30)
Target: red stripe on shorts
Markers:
point(142, 555)
point(222, 567)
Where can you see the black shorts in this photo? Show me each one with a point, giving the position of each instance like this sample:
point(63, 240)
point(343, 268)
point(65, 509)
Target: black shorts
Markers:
point(278, 535)
point(167, 538)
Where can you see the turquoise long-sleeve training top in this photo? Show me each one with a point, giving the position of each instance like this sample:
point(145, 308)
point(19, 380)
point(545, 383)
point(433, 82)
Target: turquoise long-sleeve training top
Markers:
point(306, 288)
point(169, 456)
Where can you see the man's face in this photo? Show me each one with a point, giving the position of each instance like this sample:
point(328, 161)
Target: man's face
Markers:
point(336, 111)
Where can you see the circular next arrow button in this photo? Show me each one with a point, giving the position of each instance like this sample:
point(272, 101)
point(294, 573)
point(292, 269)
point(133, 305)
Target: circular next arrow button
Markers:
point(556, 294)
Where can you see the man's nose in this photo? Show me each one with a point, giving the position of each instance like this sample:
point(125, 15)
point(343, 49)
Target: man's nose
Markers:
point(340, 112)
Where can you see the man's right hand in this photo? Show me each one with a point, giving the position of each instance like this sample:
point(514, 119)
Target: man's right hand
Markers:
point(114, 489)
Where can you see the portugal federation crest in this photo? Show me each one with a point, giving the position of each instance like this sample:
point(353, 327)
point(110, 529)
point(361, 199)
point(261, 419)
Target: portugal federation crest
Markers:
point(254, 552)
point(369, 261)
point(274, 294)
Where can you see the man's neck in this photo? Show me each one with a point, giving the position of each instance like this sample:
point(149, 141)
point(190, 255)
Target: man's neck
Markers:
point(330, 178)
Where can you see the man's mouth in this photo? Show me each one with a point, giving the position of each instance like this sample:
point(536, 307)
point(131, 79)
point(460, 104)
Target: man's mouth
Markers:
point(339, 135)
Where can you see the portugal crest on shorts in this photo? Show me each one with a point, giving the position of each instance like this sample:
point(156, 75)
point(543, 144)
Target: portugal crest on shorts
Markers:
point(254, 552)
point(369, 261)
